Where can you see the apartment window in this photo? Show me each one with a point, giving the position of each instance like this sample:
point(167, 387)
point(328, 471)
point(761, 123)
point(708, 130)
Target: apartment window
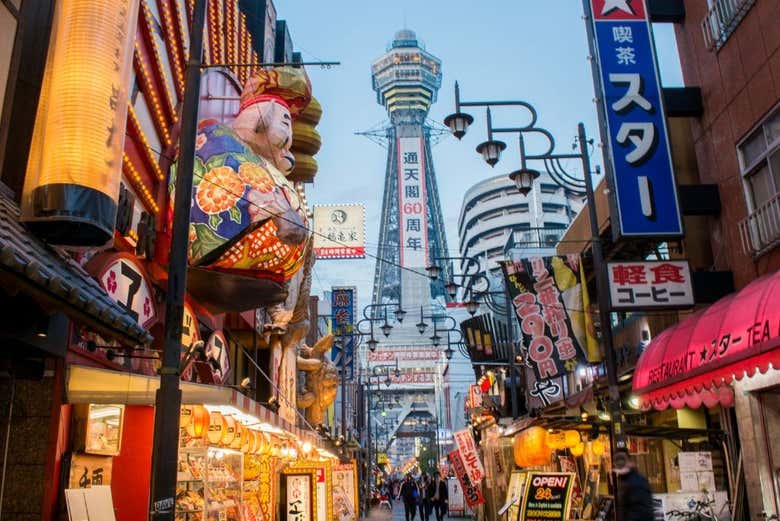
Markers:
point(548, 189)
point(759, 156)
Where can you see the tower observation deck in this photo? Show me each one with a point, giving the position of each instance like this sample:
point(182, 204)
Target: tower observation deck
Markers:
point(406, 79)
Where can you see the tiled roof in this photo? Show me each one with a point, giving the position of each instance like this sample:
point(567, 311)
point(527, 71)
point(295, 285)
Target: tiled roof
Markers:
point(59, 276)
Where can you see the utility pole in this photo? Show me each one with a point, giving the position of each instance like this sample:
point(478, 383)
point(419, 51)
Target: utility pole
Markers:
point(167, 405)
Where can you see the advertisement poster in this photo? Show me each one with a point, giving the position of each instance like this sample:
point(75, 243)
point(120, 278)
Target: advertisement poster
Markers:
point(472, 492)
point(457, 503)
point(340, 231)
point(345, 497)
point(550, 302)
point(298, 500)
point(547, 496)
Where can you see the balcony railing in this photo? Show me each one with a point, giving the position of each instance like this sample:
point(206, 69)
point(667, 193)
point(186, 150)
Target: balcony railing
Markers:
point(721, 20)
point(760, 231)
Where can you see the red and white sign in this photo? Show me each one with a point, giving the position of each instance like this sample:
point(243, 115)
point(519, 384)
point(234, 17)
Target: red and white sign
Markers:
point(126, 283)
point(217, 353)
point(417, 355)
point(411, 203)
point(618, 9)
point(340, 231)
point(472, 491)
point(475, 397)
point(469, 455)
point(650, 284)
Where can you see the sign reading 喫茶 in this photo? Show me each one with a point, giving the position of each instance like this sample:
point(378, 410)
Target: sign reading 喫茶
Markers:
point(469, 455)
point(550, 300)
point(643, 178)
point(340, 231)
point(411, 203)
point(650, 284)
point(342, 309)
point(547, 496)
point(472, 492)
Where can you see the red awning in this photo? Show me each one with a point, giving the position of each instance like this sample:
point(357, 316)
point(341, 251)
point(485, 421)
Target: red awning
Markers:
point(694, 362)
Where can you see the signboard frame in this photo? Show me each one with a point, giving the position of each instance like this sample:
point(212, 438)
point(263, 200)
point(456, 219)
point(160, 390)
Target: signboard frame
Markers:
point(339, 231)
point(637, 273)
point(545, 476)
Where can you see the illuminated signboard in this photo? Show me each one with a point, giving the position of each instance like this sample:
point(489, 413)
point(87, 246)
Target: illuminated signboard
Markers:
point(643, 178)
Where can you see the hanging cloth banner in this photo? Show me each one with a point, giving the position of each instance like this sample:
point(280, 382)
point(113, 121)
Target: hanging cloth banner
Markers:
point(470, 455)
point(550, 299)
point(472, 492)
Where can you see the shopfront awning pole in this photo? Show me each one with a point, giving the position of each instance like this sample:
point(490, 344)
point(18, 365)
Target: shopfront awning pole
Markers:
point(165, 445)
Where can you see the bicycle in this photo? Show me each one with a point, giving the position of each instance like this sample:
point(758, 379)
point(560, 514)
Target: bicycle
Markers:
point(698, 510)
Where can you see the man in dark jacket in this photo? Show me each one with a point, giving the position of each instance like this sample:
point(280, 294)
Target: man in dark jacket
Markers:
point(410, 495)
point(441, 497)
point(635, 499)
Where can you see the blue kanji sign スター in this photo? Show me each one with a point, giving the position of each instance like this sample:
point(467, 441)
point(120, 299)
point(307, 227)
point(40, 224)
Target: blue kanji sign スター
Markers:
point(643, 177)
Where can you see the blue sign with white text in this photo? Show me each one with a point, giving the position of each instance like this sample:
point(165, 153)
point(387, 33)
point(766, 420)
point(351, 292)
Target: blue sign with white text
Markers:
point(342, 313)
point(644, 183)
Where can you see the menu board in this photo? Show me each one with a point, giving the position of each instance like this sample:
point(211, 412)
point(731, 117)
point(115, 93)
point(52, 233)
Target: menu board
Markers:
point(547, 496)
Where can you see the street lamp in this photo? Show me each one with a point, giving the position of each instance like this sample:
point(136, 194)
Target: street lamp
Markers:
point(399, 314)
point(472, 306)
point(459, 122)
point(523, 179)
point(433, 271)
point(386, 327)
point(451, 288)
point(421, 325)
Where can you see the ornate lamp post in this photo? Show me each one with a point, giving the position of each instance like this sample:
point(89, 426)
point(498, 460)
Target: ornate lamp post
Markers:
point(523, 179)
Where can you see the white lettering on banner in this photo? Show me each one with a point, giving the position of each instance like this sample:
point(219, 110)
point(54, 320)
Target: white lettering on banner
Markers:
point(391, 356)
point(469, 455)
point(411, 202)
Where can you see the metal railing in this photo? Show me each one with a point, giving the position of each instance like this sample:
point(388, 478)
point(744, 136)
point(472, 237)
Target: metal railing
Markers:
point(721, 20)
point(760, 231)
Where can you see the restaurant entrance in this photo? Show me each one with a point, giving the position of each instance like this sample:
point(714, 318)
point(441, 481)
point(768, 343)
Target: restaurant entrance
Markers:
point(769, 404)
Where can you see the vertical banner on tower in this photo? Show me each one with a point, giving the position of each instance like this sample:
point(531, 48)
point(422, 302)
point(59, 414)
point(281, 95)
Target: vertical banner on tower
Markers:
point(411, 202)
point(342, 309)
point(644, 183)
point(550, 300)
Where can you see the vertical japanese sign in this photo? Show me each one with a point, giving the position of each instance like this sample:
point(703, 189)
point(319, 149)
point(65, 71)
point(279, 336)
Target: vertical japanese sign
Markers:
point(345, 486)
point(645, 190)
point(469, 455)
point(298, 501)
point(342, 308)
point(472, 492)
point(411, 203)
point(551, 302)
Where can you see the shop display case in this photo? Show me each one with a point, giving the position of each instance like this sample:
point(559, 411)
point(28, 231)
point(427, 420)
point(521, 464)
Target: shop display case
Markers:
point(98, 428)
point(209, 484)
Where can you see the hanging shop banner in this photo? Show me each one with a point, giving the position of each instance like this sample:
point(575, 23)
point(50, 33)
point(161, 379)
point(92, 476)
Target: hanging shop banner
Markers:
point(71, 186)
point(472, 492)
point(547, 496)
point(650, 284)
point(457, 503)
point(475, 397)
point(342, 313)
point(345, 495)
point(217, 356)
point(550, 299)
point(340, 231)
point(470, 455)
point(644, 183)
point(125, 281)
point(413, 227)
point(87, 470)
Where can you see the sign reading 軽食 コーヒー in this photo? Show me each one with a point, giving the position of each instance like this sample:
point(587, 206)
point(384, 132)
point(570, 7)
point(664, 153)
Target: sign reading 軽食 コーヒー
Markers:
point(650, 284)
point(547, 496)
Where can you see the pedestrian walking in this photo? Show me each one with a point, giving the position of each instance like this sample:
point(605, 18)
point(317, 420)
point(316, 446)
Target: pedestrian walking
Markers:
point(410, 495)
point(635, 499)
point(430, 492)
point(441, 497)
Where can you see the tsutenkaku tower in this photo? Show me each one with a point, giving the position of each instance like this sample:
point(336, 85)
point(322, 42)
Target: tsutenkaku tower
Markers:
point(406, 80)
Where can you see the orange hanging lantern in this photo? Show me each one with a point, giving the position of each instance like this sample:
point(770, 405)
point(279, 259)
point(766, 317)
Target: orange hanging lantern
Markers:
point(198, 423)
point(556, 440)
point(230, 431)
point(572, 438)
point(264, 446)
point(531, 449)
point(249, 441)
point(216, 428)
point(577, 450)
point(597, 447)
point(238, 438)
point(185, 417)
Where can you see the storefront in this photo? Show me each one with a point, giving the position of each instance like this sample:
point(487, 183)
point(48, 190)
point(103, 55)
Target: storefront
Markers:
point(237, 459)
point(725, 357)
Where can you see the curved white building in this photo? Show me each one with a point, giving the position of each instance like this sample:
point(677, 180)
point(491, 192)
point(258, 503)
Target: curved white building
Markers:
point(496, 221)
